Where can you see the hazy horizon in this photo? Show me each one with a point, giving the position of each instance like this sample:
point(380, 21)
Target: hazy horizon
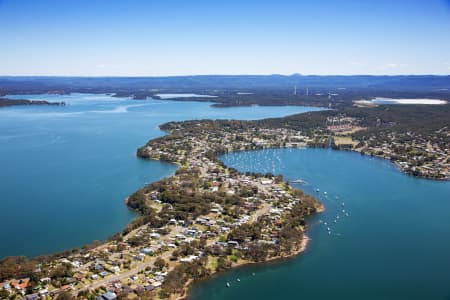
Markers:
point(194, 75)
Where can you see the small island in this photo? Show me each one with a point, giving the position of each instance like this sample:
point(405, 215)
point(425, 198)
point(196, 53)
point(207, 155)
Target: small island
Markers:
point(14, 102)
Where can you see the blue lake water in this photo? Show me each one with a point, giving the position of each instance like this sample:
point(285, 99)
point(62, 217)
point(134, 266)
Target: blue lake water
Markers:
point(394, 243)
point(65, 171)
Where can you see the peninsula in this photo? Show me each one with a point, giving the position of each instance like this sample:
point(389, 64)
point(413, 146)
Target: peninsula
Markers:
point(204, 219)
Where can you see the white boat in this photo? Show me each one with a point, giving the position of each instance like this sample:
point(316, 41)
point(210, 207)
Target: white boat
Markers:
point(228, 284)
point(297, 181)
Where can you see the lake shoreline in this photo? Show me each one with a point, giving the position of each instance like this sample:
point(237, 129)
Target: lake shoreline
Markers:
point(156, 150)
point(276, 259)
point(395, 164)
point(5, 102)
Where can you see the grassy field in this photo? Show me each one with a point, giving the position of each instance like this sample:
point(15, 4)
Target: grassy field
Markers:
point(344, 140)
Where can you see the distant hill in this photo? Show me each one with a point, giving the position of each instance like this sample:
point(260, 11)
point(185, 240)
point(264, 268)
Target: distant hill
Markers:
point(404, 83)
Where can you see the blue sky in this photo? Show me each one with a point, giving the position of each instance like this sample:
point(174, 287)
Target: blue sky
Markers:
point(140, 38)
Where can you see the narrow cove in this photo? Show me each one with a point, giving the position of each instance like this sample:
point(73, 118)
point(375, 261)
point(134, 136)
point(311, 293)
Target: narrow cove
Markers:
point(392, 240)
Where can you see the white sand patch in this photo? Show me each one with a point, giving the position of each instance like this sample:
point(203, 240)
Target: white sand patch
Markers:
point(402, 101)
